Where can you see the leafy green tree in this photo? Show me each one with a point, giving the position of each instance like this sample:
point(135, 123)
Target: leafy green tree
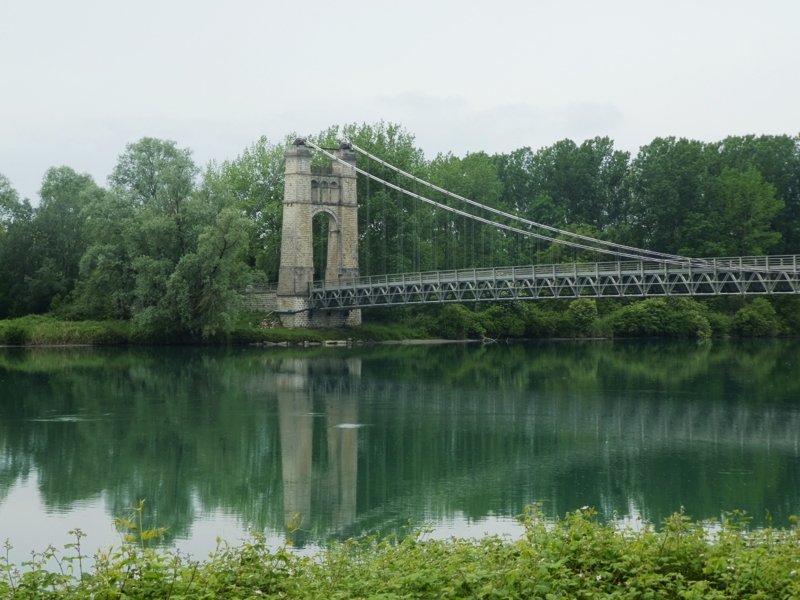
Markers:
point(158, 177)
point(662, 317)
point(586, 180)
point(17, 261)
point(457, 322)
point(524, 195)
point(153, 171)
point(201, 296)
point(105, 288)
point(567, 186)
point(668, 179)
point(503, 320)
point(515, 171)
point(539, 323)
point(464, 242)
point(60, 232)
point(154, 181)
point(15, 217)
point(9, 202)
point(581, 315)
point(736, 218)
point(163, 254)
point(395, 232)
point(559, 253)
point(254, 181)
point(43, 245)
point(709, 199)
point(757, 319)
point(777, 159)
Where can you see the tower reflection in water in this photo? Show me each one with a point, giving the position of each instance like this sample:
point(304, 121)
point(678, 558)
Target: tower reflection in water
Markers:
point(335, 484)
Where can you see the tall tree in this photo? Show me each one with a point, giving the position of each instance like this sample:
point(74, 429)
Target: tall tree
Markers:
point(393, 229)
point(254, 183)
point(44, 244)
point(586, 180)
point(163, 254)
point(735, 218)
point(202, 296)
point(777, 159)
point(15, 245)
point(158, 177)
point(668, 179)
point(515, 171)
point(60, 228)
point(464, 242)
point(568, 186)
point(9, 202)
point(105, 286)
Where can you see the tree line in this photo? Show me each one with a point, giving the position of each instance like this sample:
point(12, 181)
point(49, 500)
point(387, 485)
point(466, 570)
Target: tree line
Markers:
point(167, 245)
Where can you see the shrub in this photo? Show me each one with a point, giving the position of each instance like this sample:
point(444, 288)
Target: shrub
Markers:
point(538, 323)
point(660, 317)
point(456, 322)
point(788, 311)
point(580, 316)
point(720, 323)
point(502, 321)
point(757, 319)
point(13, 334)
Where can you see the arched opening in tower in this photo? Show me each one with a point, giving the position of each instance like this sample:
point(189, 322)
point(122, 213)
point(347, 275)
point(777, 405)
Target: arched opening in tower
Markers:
point(326, 247)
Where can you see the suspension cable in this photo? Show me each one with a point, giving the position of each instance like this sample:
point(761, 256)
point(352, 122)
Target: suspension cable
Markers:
point(673, 259)
point(528, 222)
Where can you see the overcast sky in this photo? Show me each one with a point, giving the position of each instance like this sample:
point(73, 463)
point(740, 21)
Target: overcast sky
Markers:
point(79, 79)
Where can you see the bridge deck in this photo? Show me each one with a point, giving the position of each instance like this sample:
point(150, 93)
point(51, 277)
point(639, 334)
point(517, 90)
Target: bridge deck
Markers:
point(702, 277)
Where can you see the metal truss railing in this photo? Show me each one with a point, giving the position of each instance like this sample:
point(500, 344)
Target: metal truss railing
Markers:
point(744, 275)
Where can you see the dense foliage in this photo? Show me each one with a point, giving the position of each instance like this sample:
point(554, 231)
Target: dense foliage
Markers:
point(167, 245)
point(577, 557)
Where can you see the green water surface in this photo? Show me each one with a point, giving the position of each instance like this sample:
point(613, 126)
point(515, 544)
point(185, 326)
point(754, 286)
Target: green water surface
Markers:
point(333, 443)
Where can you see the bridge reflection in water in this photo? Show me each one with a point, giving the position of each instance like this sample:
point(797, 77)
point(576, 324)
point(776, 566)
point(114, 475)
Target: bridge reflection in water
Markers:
point(297, 421)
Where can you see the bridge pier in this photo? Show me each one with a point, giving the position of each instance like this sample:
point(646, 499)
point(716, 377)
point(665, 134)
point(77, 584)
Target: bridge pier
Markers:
point(309, 192)
point(296, 312)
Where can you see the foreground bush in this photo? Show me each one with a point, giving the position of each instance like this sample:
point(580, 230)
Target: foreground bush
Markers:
point(574, 558)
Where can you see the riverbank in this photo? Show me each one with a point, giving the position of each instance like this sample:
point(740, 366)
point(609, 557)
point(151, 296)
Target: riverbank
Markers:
point(673, 317)
point(48, 330)
point(577, 557)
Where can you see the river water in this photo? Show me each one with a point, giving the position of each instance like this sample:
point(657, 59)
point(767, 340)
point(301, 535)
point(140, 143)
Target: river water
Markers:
point(309, 445)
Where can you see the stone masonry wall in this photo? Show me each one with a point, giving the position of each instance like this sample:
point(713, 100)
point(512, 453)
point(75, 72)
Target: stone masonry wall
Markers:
point(256, 300)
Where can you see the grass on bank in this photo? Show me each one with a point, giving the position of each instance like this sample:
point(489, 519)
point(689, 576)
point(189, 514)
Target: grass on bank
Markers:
point(43, 330)
point(38, 330)
point(577, 557)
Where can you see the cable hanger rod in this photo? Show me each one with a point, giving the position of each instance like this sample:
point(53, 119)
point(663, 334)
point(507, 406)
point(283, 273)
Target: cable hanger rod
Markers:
point(528, 222)
point(487, 221)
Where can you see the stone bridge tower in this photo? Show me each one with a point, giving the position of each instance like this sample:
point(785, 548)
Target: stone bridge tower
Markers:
point(307, 193)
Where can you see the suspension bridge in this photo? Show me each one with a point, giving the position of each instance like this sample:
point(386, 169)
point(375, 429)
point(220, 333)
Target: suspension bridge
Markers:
point(337, 298)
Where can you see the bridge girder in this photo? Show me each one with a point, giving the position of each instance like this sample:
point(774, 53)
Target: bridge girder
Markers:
point(635, 279)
